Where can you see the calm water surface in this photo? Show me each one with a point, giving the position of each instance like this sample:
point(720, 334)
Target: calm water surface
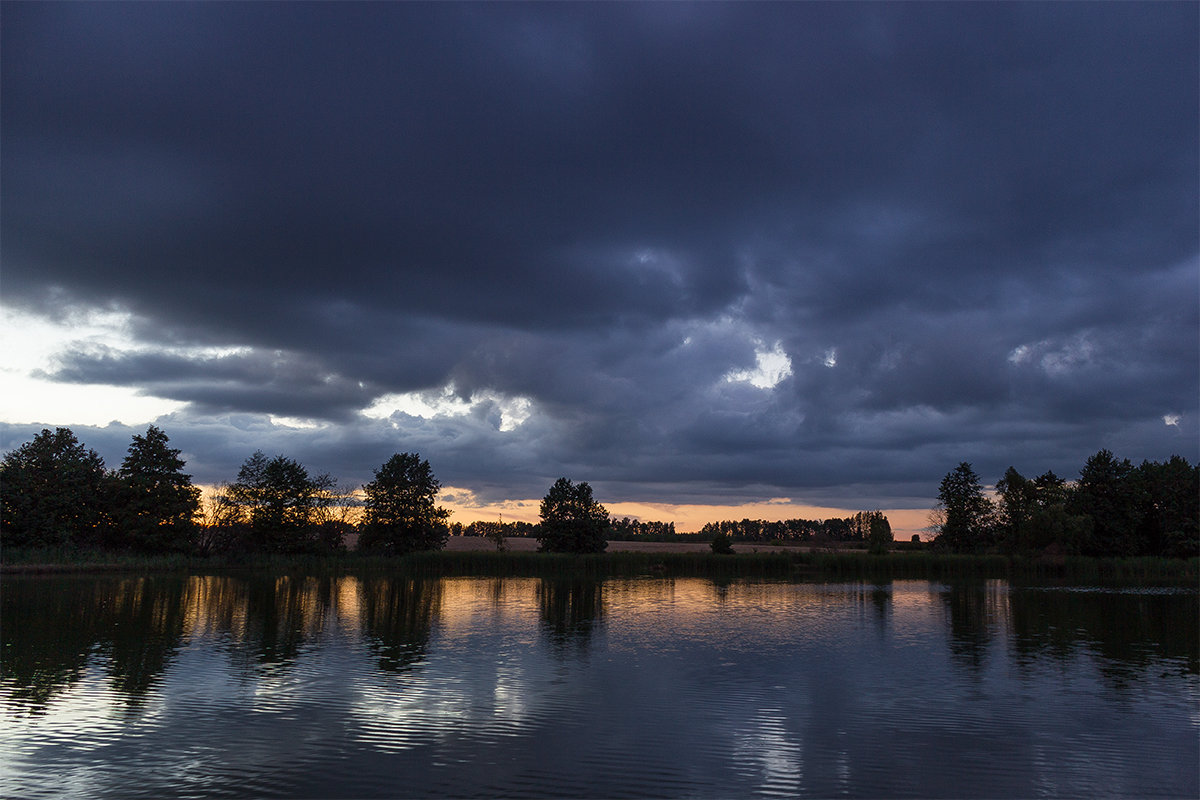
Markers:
point(392, 687)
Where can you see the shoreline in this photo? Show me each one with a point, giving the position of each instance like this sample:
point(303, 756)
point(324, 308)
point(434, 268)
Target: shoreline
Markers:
point(633, 560)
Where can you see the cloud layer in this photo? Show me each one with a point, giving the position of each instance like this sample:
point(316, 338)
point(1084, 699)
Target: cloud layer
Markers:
point(682, 251)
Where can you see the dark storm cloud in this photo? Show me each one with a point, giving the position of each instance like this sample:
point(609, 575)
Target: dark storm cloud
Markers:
point(972, 229)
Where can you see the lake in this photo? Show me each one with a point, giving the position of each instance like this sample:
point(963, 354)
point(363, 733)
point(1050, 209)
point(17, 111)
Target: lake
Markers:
point(383, 686)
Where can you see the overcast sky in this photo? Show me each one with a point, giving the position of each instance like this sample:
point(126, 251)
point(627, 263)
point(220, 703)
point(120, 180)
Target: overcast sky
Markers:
point(690, 253)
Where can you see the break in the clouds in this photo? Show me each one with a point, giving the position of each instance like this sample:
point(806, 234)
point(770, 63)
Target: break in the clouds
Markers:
point(688, 252)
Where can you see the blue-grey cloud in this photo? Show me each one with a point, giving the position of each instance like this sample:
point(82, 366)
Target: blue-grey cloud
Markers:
point(970, 229)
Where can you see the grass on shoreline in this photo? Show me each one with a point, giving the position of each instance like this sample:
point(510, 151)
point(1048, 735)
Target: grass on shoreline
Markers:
point(799, 565)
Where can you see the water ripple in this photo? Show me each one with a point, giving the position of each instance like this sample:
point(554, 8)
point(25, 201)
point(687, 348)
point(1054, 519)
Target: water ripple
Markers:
point(652, 688)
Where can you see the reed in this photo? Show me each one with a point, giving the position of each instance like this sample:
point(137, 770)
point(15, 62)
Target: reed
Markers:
point(600, 565)
point(54, 559)
point(816, 565)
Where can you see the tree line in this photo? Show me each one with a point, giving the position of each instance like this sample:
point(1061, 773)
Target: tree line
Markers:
point(856, 528)
point(1113, 509)
point(493, 528)
point(57, 493)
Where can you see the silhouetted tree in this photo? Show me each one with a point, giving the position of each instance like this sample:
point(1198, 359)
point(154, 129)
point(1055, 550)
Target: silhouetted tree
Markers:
point(1033, 515)
point(968, 520)
point(1051, 490)
point(879, 537)
point(1108, 492)
point(282, 504)
point(54, 492)
point(1016, 507)
point(224, 528)
point(571, 520)
point(721, 544)
point(400, 514)
point(156, 504)
point(1170, 514)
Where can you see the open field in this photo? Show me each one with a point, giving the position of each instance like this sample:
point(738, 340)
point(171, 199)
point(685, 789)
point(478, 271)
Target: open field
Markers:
point(468, 544)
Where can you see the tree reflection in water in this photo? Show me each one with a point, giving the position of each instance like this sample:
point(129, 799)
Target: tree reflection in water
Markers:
point(132, 628)
point(144, 635)
point(972, 611)
point(570, 610)
point(52, 627)
point(1128, 628)
point(283, 615)
point(397, 616)
point(881, 599)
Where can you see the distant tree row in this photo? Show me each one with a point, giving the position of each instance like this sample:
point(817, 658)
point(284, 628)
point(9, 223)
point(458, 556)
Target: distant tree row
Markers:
point(624, 530)
point(632, 530)
point(856, 528)
point(492, 529)
point(1114, 509)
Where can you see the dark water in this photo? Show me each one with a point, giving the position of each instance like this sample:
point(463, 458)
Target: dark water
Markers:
point(369, 687)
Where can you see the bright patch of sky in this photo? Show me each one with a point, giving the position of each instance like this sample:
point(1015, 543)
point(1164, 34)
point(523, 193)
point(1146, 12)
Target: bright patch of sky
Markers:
point(446, 402)
point(29, 344)
point(654, 260)
point(466, 508)
point(295, 422)
point(427, 405)
point(770, 368)
point(1055, 358)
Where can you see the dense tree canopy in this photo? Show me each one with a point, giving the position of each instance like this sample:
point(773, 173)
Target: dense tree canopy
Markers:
point(968, 516)
point(400, 514)
point(1107, 492)
point(53, 492)
point(156, 504)
point(879, 535)
point(1032, 515)
point(572, 521)
point(283, 505)
point(1170, 497)
point(1114, 509)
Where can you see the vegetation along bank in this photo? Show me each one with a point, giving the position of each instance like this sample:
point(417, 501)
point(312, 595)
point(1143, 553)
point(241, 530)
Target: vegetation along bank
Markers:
point(61, 508)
